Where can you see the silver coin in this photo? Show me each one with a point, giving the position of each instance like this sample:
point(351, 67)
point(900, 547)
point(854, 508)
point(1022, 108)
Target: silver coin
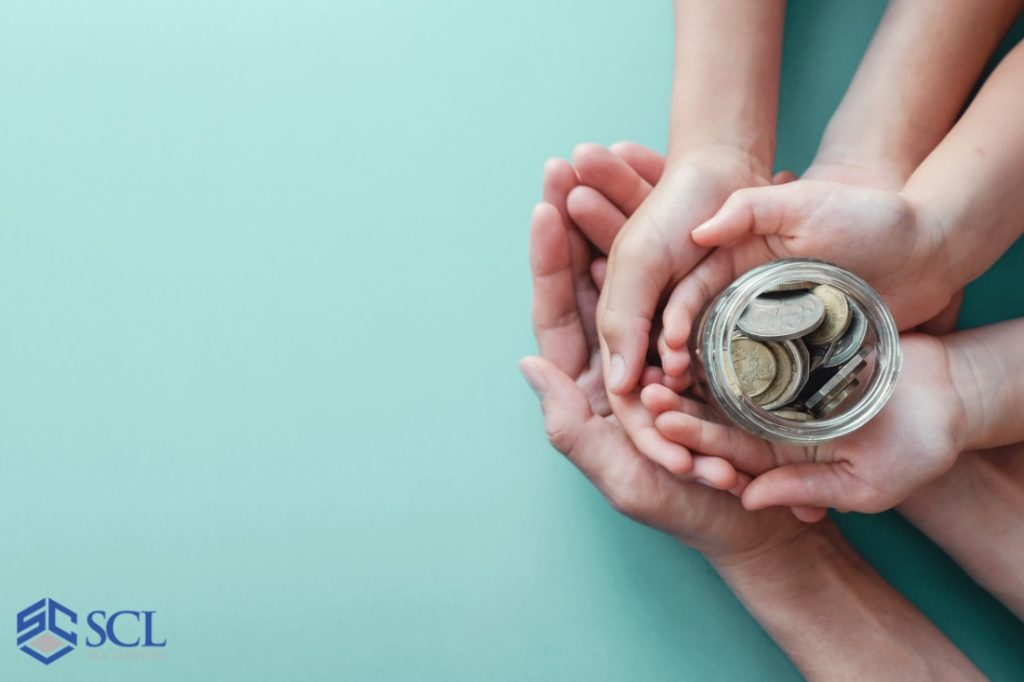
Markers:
point(833, 405)
point(851, 340)
point(781, 317)
point(839, 381)
point(805, 362)
point(791, 286)
point(821, 354)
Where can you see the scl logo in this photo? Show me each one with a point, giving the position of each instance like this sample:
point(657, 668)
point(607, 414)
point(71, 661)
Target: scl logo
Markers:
point(40, 634)
point(44, 631)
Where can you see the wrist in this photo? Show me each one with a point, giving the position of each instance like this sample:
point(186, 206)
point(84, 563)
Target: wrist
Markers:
point(930, 262)
point(723, 159)
point(783, 564)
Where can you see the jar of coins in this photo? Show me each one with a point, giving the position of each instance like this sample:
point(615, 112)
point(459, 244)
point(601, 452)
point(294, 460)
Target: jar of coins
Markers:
point(797, 351)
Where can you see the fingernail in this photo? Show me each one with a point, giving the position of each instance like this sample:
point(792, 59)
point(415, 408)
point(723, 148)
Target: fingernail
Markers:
point(534, 378)
point(704, 481)
point(616, 370)
point(703, 227)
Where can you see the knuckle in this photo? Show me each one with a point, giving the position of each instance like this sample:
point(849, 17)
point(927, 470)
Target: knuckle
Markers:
point(632, 247)
point(561, 437)
point(629, 504)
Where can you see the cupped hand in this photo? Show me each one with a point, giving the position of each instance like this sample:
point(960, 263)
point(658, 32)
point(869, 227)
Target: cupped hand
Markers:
point(914, 439)
point(564, 266)
point(871, 232)
point(648, 257)
point(567, 379)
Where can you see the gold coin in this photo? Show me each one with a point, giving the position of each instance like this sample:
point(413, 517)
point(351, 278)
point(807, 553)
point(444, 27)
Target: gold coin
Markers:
point(837, 315)
point(784, 369)
point(754, 364)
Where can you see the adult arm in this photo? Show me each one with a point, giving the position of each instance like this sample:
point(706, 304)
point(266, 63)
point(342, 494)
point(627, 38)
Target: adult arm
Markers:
point(836, 618)
point(974, 514)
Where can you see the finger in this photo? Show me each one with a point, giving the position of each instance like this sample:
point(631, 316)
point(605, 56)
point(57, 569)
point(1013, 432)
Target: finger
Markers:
point(751, 455)
point(564, 404)
point(651, 375)
point(945, 321)
point(648, 163)
point(556, 320)
point(687, 300)
point(657, 399)
point(678, 384)
point(637, 275)
point(598, 270)
point(674, 362)
point(611, 176)
point(807, 484)
point(639, 425)
point(808, 514)
point(742, 481)
point(755, 210)
point(559, 180)
point(598, 219)
point(782, 177)
point(713, 472)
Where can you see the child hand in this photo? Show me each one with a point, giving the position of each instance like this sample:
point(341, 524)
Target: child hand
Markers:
point(913, 440)
point(898, 248)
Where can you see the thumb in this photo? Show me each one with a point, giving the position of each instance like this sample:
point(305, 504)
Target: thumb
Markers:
point(566, 409)
point(755, 211)
point(635, 279)
point(808, 485)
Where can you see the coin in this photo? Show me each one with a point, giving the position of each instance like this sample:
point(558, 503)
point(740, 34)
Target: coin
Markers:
point(754, 364)
point(848, 344)
point(821, 354)
point(837, 315)
point(782, 317)
point(805, 362)
point(839, 381)
point(835, 403)
point(790, 286)
point(785, 371)
point(790, 375)
point(793, 415)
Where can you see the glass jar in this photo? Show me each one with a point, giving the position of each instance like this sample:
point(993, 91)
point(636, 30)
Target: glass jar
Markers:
point(711, 349)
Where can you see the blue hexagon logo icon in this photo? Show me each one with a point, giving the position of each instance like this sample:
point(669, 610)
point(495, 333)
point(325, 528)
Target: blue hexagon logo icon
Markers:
point(40, 633)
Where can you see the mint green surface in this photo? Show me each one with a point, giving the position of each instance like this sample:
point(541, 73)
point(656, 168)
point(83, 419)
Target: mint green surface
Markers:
point(263, 284)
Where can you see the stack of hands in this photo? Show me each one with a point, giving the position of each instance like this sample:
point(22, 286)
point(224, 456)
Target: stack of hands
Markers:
point(914, 196)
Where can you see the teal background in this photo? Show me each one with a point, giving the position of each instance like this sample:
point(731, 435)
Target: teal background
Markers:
point(263, 284)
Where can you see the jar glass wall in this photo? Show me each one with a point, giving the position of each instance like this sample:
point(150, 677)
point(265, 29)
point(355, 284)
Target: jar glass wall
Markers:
point(847, 394)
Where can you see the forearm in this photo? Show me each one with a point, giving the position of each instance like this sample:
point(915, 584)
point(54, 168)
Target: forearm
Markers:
point(726, 86)
point(986, 366)
point(969, 192)
point(836, 618)
point(984, 490)
point(912, 83)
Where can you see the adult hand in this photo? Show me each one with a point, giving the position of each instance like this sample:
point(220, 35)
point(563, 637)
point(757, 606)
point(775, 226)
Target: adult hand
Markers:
point(567, 379)
point(650, 255)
